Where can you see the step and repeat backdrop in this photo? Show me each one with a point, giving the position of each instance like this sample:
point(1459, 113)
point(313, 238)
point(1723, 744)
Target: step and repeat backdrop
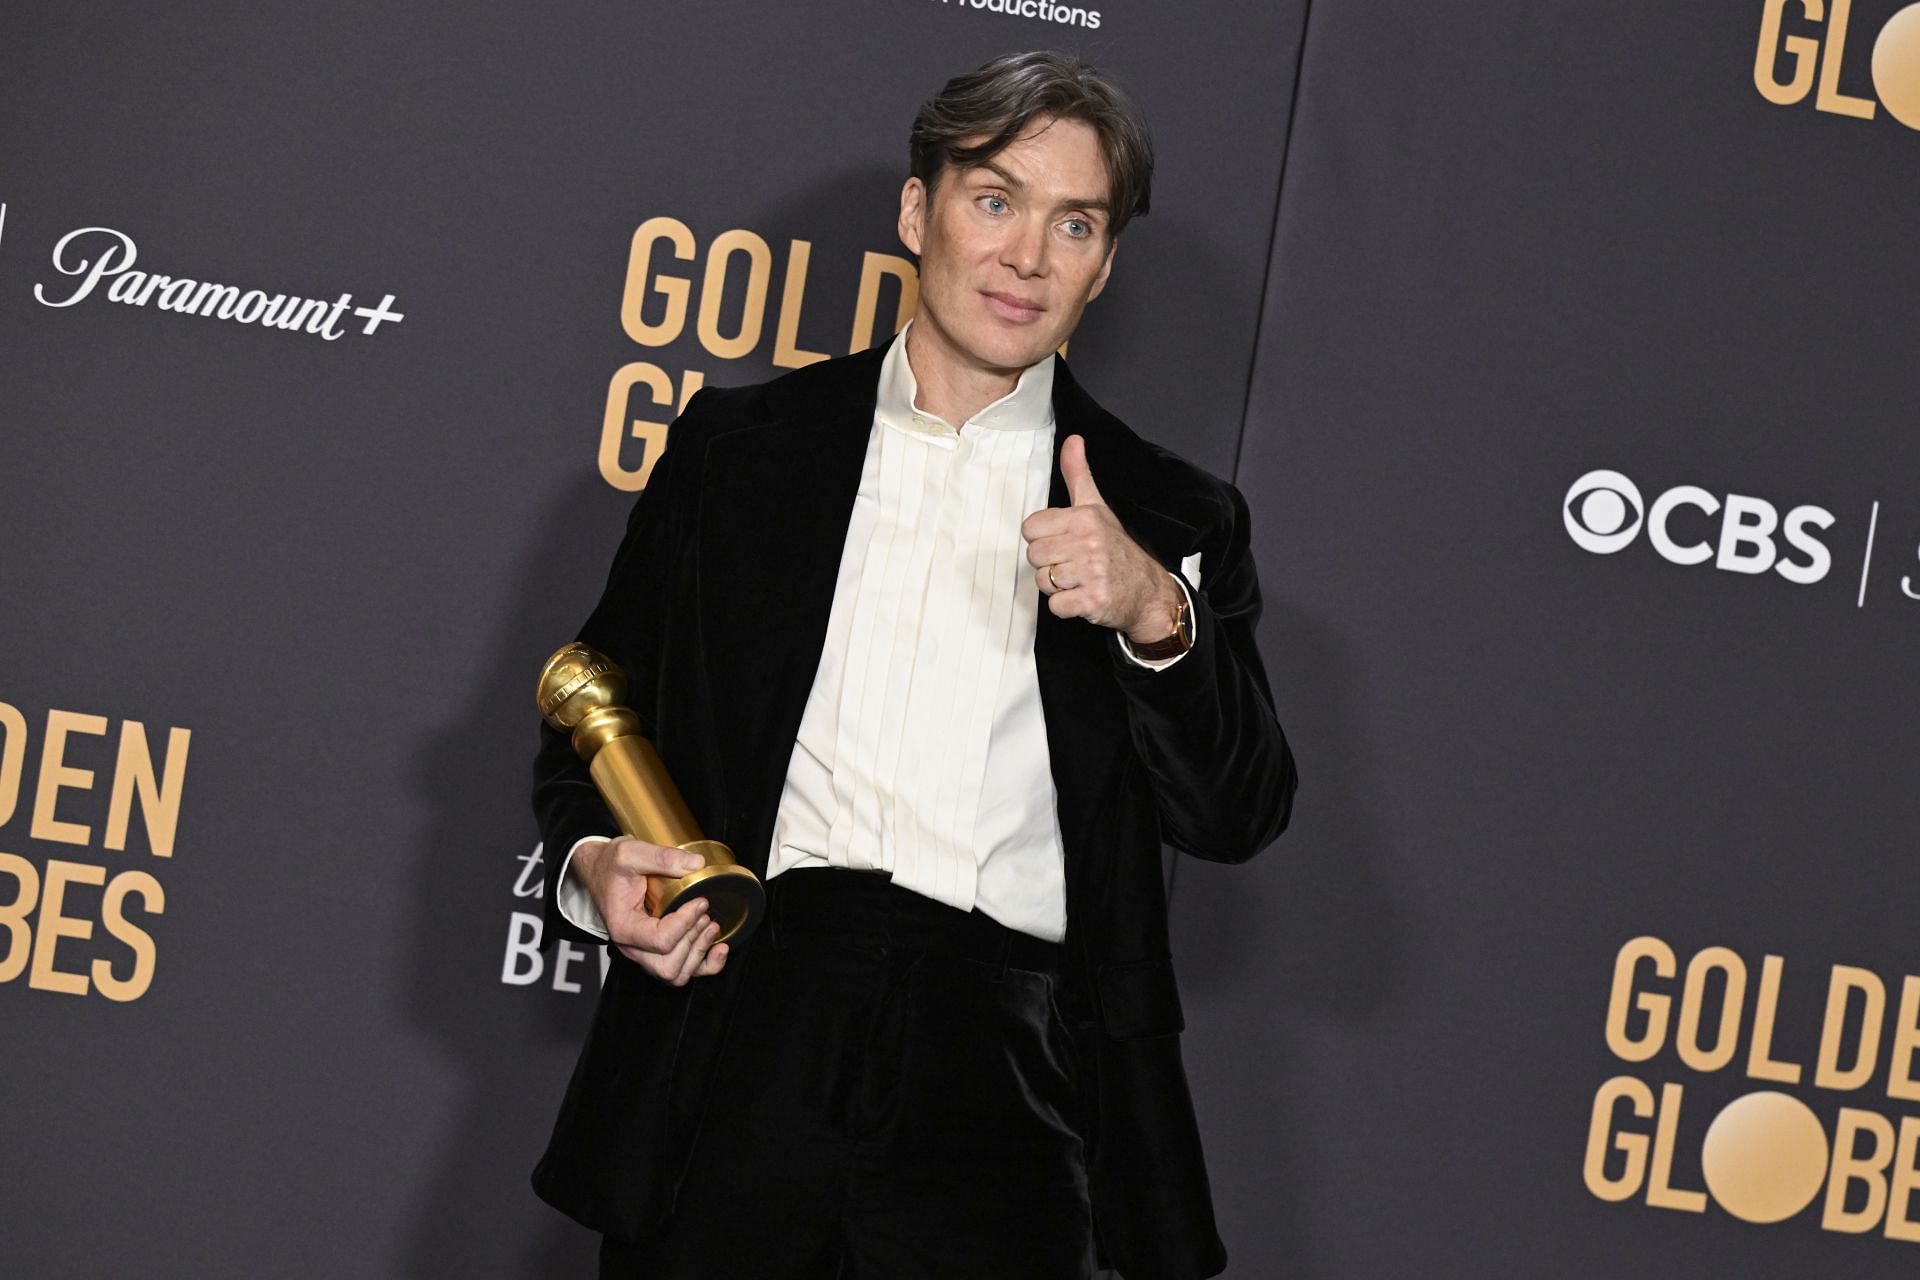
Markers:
point(1568, 358)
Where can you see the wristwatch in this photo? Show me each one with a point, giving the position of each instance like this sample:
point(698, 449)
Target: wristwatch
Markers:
point(1176, 643)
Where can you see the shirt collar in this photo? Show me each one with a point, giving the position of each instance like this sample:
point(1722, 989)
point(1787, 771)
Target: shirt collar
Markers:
point(1028, 407)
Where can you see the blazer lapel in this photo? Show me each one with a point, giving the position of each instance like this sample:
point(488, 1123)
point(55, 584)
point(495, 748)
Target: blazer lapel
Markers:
point(1084, 710)
point(767, 569)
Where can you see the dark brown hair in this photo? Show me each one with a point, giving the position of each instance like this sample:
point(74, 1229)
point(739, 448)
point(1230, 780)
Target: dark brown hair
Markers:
point(997, 103)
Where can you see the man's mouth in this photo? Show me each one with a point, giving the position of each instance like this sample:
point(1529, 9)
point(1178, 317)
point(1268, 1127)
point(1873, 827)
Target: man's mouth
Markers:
point(1012, 307)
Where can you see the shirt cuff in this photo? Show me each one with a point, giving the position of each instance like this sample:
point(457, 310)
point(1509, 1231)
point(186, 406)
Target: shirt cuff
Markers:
point(571, 896)
point(1153, 664)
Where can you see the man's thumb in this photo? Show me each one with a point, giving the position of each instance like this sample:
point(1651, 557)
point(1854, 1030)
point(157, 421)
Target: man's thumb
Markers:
point(1081, 490)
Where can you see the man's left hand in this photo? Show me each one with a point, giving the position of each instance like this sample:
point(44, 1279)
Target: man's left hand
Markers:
point(1087, 566)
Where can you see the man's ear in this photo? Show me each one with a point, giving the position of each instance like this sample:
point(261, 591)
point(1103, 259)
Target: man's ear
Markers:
point(913, 213)
point(1100, 281)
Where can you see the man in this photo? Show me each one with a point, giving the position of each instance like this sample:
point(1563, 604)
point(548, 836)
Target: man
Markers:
point(952, 1048)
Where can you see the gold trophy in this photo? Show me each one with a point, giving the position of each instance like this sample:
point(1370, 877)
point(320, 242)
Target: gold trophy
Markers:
point(581, 691)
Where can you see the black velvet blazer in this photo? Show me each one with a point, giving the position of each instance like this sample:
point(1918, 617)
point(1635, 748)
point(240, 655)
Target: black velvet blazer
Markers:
point(716, 607)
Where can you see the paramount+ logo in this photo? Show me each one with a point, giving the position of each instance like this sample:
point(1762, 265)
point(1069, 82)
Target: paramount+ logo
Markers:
point(1605, 512)
point(1804, 50)
point(1848, 1040)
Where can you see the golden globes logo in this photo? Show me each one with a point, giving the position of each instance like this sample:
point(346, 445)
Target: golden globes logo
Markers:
point(1803, 50)
point(1767, 1155)
point(82, 927)
point(674, 281)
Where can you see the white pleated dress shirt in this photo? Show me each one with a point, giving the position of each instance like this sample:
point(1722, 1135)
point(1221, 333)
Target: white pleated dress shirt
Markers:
point(922, 752)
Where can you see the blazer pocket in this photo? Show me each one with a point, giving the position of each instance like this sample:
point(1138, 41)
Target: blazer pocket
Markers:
point(1139, 998)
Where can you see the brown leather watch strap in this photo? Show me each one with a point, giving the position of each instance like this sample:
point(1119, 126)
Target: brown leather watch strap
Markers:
point(1177, 642)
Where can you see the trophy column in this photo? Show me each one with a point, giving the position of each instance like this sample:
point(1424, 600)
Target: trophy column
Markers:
point(581, 691)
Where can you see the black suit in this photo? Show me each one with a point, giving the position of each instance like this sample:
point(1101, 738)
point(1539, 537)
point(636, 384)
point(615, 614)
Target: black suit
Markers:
point(717, 607)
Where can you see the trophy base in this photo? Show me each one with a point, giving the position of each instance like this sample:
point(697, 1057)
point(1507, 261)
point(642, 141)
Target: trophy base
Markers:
point(736, 900)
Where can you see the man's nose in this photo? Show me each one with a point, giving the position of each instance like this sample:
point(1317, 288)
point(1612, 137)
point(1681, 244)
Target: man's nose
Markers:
point(1026, 248)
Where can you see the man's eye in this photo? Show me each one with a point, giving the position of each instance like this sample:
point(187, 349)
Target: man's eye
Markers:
point(994, 204)
point(1079, 228)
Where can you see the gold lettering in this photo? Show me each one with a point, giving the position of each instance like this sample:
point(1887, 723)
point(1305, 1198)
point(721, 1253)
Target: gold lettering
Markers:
point(1687, 1041)
point(1906, 1177)
point(1846, 980)
point(1760, 1061)
point(13, 916)
point(616, 429)
point(1849, 1168)
point(1906, 1039)
point(1803, 49)
point(1632, 1145)
point(1830, 97)
point(55, 925)
point(159, 799)
point(56, 775)
point(639, 278)
point(713, 293)
point(1654, 1005)
point(13, 756)
point(1661, 1193)
point(138, 940)
point(866, 307)
point(786, 353)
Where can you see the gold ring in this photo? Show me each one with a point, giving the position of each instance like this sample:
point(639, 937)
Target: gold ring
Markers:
point(1050, 579)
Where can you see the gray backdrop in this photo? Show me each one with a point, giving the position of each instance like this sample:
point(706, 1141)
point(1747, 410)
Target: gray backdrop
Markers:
point(1481, 253)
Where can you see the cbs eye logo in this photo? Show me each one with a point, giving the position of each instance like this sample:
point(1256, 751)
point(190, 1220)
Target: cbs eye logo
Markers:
point(1604, 512)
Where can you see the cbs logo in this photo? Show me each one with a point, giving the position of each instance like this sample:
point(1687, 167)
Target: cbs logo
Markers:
point(1604, 513)
point(1786, 65)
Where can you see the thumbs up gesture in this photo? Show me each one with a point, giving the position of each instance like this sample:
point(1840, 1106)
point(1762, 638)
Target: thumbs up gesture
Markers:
point(1087, 566)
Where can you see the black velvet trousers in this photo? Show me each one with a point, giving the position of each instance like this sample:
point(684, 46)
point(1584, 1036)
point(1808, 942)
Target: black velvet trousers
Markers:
point(895, 1101)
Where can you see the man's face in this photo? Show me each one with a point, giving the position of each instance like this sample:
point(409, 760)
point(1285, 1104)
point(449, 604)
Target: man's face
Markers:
point(1011, 250)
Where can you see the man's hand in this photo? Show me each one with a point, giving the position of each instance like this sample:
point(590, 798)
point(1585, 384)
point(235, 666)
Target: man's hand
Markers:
point(674, 948)
point(1087, 566)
